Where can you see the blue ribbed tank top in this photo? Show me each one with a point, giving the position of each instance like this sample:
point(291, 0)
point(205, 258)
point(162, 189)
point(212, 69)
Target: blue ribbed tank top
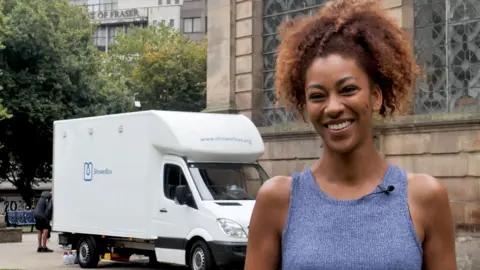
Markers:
point(374, 232)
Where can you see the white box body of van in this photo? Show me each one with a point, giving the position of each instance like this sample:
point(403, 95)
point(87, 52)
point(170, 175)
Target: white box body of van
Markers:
point(115, 177)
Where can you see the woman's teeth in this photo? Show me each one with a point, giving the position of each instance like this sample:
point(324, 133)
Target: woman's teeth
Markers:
point(339, 126)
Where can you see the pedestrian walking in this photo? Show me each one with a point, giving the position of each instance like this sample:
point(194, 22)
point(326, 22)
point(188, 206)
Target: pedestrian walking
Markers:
point(351, 210)
point(43, 216)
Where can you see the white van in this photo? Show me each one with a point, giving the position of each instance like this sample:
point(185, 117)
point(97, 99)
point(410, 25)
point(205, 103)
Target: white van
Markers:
point(175, 186)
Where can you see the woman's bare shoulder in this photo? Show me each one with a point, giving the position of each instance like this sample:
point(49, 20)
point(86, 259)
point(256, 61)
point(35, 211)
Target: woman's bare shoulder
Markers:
point(275, 191)
point(429, 197)
point(267, 223)
point(271, 207)
point(426, 189)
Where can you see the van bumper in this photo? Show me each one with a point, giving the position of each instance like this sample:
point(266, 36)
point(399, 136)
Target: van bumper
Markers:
point(228, 253)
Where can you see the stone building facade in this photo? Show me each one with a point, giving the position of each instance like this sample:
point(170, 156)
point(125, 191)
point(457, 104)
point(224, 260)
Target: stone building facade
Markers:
point(441, 135)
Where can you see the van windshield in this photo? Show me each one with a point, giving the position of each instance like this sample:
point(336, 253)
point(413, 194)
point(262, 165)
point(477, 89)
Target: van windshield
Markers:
point(219, 181)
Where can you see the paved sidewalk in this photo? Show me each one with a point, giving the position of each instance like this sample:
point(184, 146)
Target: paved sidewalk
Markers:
point(24, 256)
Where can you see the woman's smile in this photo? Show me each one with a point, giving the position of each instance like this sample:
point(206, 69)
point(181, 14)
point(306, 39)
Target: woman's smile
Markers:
point(338, 128)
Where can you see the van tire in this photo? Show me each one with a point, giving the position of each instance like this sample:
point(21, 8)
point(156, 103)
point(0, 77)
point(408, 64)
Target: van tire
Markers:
point(152, 260)
point(87, 252)
point(201, 257)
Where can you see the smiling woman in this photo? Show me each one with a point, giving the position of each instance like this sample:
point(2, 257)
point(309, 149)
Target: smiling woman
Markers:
point(351, 210)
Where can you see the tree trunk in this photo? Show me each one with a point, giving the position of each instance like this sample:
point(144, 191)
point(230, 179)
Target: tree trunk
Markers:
point(25, 190)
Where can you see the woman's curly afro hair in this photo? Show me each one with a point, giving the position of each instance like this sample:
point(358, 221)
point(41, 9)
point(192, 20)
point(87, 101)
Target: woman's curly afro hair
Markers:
point(360, 29)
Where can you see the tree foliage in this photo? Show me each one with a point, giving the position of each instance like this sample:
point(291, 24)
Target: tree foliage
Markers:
point(50, 72)
point(166, 69)
point(3, 110)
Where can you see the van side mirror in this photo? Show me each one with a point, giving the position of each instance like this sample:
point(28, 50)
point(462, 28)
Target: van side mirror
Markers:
point(184, 196)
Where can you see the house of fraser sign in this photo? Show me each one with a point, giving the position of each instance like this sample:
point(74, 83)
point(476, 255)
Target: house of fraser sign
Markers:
point(113, 14)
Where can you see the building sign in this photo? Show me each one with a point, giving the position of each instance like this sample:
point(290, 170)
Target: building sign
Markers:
point(114, 14)
point(11, 203)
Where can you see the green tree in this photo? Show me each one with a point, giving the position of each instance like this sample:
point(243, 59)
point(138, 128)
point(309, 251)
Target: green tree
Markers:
point(50, 72)
point(166, 69)
point(114, 89)
point(3, 110)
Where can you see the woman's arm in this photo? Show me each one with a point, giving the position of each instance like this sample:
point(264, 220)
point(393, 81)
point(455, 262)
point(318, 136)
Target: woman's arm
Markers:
point(437, 220)
point(267, 223)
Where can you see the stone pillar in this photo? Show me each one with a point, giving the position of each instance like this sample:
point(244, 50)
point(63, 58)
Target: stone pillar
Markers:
point(235, 64)
point(402, 12)
point(249, 61)
point(221, 57)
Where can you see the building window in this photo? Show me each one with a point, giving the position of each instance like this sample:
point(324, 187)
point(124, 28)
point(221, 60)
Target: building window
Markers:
point(447, 48)
point(169, 2)
point(276, 12)
point(177, 2)
point(160, 2)
point(192, 25)
point(100, 38)
point(111, 35)
point(102, 5)
point(171, 23)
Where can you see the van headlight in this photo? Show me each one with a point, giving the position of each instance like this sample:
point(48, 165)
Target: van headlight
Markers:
point(231, 228)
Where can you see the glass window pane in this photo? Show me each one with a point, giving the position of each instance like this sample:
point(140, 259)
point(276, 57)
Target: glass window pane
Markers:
point(187, 25)
point(197, 25)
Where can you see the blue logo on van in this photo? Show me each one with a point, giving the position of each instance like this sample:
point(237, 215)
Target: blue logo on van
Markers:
point(88, 171)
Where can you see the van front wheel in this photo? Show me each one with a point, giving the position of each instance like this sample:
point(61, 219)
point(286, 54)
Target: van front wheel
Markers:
point(200, 257)
point(87, 252)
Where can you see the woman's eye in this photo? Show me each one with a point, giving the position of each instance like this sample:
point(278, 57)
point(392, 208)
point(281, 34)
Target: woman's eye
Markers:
point(349, 89)
point(317, 96)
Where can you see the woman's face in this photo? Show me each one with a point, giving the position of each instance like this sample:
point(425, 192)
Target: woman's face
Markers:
point(340, 101)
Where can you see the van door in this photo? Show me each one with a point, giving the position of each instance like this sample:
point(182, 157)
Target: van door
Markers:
point(173, 221)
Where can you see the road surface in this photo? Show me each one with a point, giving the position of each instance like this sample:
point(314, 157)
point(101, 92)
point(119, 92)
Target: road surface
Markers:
point(24, 256)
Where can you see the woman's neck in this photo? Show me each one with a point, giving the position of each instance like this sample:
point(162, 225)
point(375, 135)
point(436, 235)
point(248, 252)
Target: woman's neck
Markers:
point(352, 168)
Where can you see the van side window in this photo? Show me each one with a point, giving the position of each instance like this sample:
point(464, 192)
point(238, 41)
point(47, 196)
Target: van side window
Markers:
point(172, 177)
